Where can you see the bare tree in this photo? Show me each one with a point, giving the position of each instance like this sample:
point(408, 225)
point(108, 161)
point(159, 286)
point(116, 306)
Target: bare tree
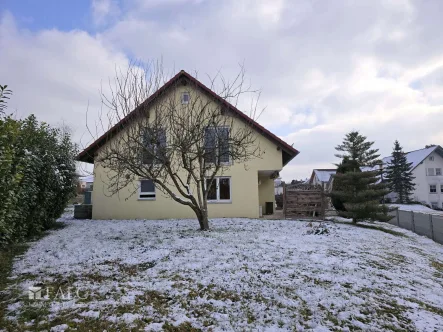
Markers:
point(180, 137)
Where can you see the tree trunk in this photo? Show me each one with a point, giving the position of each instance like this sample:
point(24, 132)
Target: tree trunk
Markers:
point(203, 221)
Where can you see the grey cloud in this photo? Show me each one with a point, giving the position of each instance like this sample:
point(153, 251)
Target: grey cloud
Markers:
point(348, 65)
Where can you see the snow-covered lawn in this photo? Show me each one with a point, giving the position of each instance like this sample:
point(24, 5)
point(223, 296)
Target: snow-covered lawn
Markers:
point(245, 274)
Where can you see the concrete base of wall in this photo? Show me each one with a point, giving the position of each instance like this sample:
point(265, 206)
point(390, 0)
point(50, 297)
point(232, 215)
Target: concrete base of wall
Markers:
point(83, 211)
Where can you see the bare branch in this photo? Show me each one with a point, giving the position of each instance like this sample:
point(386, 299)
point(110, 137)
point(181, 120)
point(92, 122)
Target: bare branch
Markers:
point(180, 145)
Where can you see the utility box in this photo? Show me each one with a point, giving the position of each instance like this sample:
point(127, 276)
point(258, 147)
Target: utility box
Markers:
point(83, 211)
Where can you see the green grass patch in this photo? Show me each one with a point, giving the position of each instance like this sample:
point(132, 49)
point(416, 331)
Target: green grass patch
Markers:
point(382, 229)
point(374, 227)
point(428, 307)
point(437, 265)
point(183, 327)
point(7, 256)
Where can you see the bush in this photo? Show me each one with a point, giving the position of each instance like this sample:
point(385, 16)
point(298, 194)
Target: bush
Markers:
point(37, 177)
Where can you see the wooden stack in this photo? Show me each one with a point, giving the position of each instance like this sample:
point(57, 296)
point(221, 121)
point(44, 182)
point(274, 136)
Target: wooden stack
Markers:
point(304, 201)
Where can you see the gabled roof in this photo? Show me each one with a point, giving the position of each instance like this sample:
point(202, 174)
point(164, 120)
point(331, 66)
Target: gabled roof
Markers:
point(323, 174)
point(87, 155)
point(417, 156)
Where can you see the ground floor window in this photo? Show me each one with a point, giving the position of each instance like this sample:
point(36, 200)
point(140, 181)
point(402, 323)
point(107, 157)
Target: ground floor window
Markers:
point(147, 190)
point(219, 190)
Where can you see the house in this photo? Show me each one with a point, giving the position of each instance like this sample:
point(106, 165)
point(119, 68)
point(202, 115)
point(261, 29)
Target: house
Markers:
point(86, 182)
point(427, 166)
point(323, 177)
point(242, 191)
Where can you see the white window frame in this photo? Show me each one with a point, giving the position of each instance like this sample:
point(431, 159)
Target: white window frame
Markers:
point(431, 158)
point(438, 171)
point(217, 190)
point(432, 185)
point(183, 101)
point(429, 171)
point(225, 163)
point(146, 192)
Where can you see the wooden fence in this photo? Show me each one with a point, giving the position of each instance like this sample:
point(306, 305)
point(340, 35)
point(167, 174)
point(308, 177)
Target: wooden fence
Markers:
point(304, 201)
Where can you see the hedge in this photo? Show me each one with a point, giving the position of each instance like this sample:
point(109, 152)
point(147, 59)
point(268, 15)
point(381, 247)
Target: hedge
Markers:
point(37, 177)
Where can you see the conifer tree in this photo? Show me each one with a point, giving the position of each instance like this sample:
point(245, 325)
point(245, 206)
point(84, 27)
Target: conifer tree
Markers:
point(360, 188)
point(399, 175)
point(343, 167)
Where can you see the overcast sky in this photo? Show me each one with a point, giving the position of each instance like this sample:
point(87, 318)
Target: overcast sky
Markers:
point(324, 67)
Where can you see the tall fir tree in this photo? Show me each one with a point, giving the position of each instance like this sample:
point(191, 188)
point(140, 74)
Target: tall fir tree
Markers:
point(399, 175)
point(343, 167)
point(360, 188)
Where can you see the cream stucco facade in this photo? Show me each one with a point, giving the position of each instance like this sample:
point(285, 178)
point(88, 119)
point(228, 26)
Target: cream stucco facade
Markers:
point(251, 185)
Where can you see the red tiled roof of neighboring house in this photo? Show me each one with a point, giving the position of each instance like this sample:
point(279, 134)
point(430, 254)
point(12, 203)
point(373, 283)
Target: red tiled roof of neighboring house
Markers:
point(87, 155)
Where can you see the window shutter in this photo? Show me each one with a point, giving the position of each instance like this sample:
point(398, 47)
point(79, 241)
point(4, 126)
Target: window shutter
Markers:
point(210, 140)
point(223, 144)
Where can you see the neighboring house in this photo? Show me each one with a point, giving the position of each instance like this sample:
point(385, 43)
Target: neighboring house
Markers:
point(86, 182)
point(323, 177)
point(246, 188)
point(427, 165)
point(278, 186)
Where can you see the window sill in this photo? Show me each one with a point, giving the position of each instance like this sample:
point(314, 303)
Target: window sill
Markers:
point(220, 202)
point(145, 199)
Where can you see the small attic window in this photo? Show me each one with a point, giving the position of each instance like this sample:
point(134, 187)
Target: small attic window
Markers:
point(431, 158)
point(185, 98)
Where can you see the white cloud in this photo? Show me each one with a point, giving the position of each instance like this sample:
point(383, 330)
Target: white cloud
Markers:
point(324, 68)
point(104, 10)
point(55, 74)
